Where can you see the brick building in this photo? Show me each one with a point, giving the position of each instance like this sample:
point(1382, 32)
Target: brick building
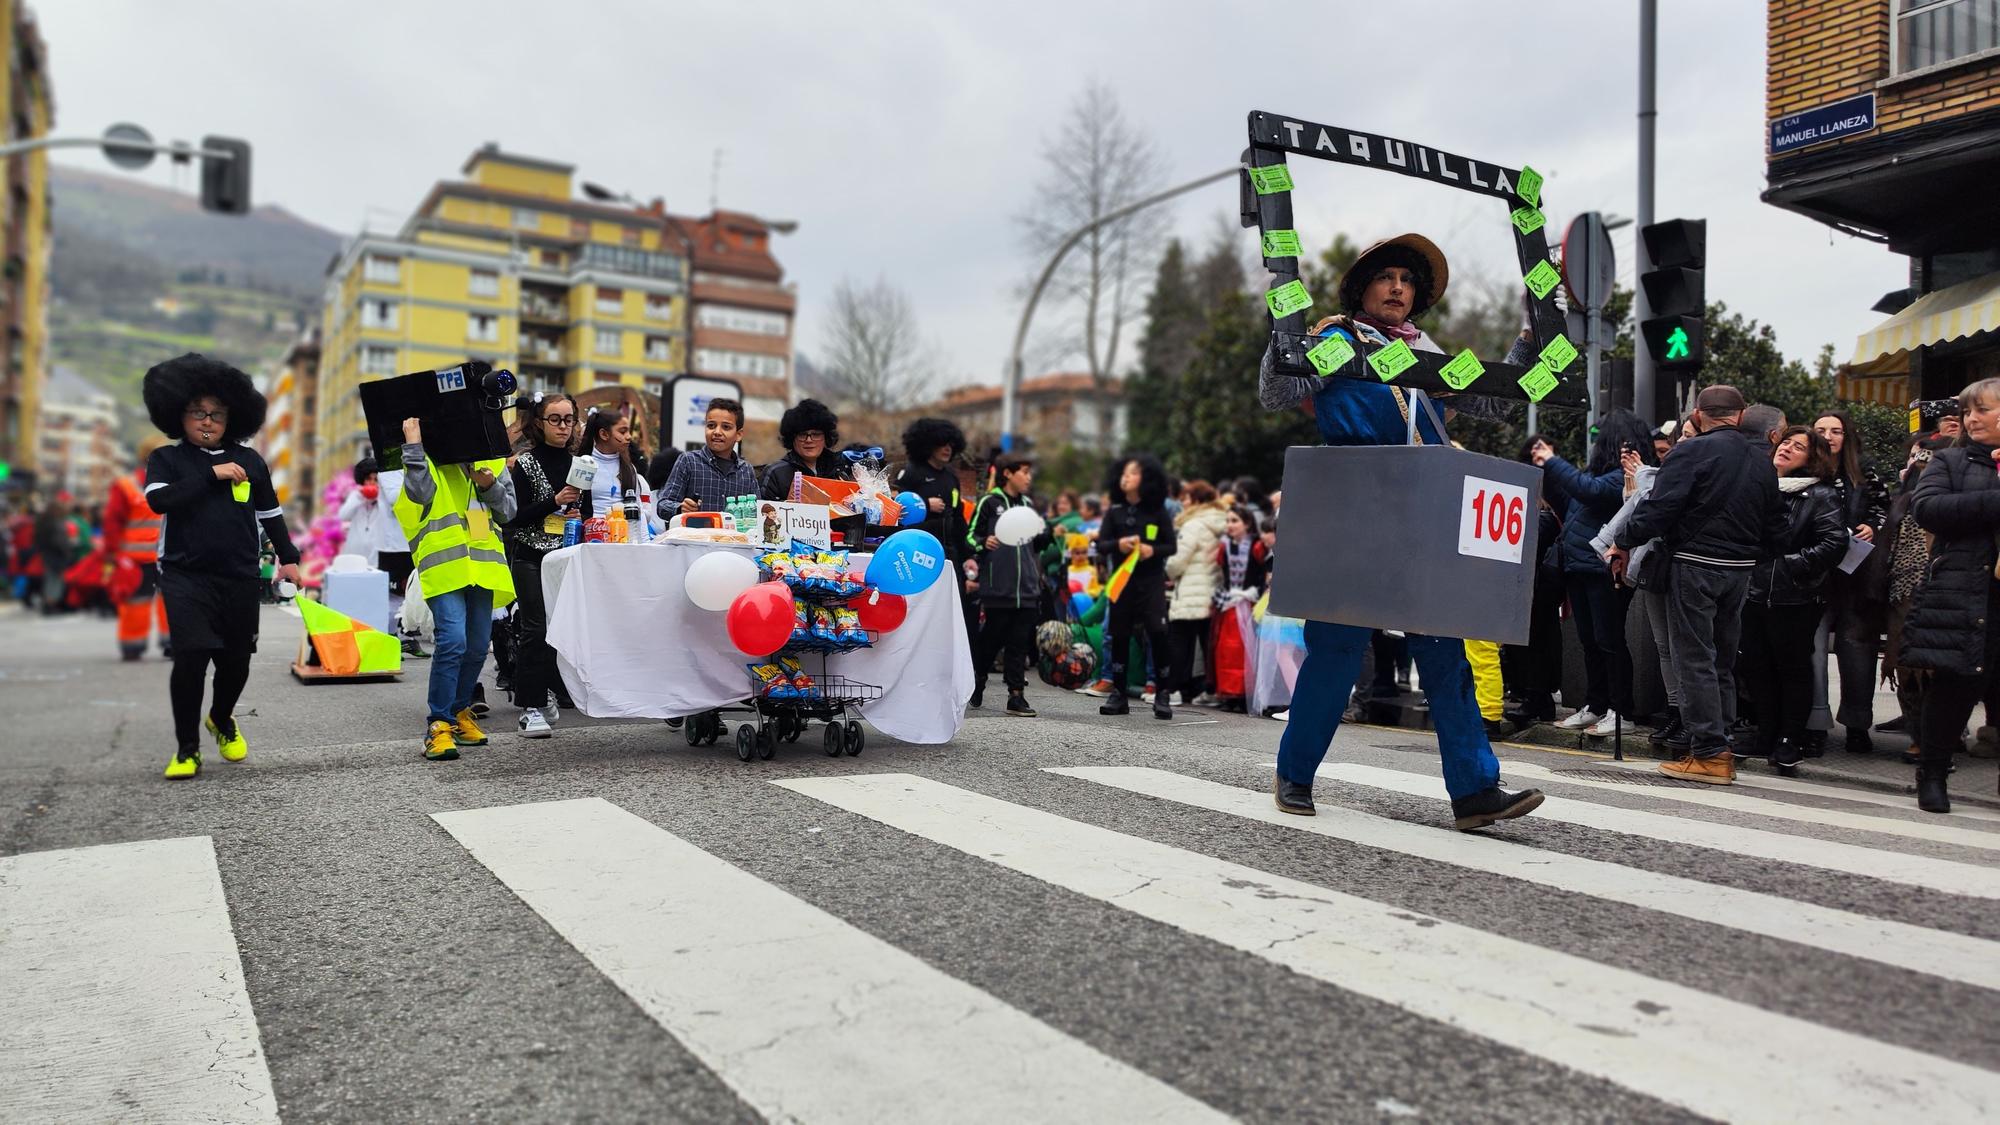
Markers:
point(1885, 123)
point(1057, 411)
point(741, 318)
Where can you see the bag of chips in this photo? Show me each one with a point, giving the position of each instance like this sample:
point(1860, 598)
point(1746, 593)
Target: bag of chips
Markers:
point(802, 624)
point(824, 627)
point(772, 681)
point(847, 623)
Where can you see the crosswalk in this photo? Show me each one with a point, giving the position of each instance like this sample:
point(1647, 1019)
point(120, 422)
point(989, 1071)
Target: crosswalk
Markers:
point(806, 1015)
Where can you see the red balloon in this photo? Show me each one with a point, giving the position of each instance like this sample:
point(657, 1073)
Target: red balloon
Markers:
point(880, 612)
point(760, 619)
point(370, 491)
point(1076, 586)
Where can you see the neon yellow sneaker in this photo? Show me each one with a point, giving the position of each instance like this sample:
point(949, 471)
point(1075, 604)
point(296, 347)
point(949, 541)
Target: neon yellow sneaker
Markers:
point(439, 745)
point(467, 731)
point(235, 748)
point(183, 765)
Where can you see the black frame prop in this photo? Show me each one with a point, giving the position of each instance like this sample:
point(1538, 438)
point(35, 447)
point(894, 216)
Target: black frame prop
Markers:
point(1266, 191)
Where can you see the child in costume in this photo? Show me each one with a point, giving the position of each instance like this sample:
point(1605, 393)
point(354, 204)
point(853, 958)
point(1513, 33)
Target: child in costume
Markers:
point(213, 493)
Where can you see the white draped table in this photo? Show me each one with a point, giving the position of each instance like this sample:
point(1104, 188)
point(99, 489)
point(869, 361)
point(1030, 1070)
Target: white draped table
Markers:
point(630, 645)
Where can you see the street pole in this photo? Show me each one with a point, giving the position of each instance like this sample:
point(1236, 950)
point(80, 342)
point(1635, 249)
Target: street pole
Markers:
point(1642, 360)
point(1010, 378)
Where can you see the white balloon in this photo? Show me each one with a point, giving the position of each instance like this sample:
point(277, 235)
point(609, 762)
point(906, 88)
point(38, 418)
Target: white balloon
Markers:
point(717, 577)
point(1017, 526)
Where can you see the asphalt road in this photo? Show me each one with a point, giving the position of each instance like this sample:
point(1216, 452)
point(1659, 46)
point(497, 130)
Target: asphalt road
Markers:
point(682, 939)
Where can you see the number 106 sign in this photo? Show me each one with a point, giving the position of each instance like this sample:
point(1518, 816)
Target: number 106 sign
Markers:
point(1492, 520)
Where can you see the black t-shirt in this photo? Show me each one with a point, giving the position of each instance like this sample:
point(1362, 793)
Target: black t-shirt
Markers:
point(1154, 526)
point(209, 525)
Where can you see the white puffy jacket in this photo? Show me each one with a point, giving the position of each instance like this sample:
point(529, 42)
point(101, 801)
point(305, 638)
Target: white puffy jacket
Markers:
point(1196, 572)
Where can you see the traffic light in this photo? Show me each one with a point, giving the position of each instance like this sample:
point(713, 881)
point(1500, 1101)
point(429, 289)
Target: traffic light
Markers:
point(1675, 333)
point(225, 180)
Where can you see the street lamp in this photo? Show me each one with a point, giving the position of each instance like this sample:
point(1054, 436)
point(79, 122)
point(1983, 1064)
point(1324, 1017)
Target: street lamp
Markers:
point(225, 161)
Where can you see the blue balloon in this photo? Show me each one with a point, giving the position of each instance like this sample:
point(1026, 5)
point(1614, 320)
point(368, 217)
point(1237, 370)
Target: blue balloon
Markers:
point(907, 563)
point(914, 509)
point(1080, 603)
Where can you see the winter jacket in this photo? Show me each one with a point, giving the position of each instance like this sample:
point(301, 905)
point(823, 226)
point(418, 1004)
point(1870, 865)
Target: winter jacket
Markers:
point(777, 485)
point(1714, 503)
point(941, 485)
point(1810, 540)
point(1152, 526)
point(1588, 500)
point(1958, 501)
point(1009, 576)
point(1197, 577)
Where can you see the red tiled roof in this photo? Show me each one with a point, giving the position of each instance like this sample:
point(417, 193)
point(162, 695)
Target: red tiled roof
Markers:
point(1068, 382)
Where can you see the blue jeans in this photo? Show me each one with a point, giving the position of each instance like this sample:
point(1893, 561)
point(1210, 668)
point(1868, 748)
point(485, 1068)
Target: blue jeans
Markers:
point(464, 620)
point(1326, 679)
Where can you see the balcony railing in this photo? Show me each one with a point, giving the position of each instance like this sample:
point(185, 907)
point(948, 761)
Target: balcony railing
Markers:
point(541, 308)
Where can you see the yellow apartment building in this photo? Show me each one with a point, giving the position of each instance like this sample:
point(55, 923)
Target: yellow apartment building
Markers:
point(504, 266)
point(28, 108)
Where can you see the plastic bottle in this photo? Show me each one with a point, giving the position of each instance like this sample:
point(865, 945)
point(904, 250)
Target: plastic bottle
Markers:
point(614, 526)
point(573, 528)
point(635, 524)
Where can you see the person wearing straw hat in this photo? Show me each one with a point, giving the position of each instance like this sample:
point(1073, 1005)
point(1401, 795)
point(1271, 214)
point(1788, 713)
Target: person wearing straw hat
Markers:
point(1389, 285)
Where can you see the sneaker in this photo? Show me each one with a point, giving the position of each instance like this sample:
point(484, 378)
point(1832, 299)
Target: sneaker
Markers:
point(552, 710)
point(533, 725)
point(1292, 797)
point(1101, 689)
point(1163, 707)
point(1115, 704)
point(1858, 741)
point(1716, 769)
point(479, 708)
point(1017, 704)
point(978, 697)
point(184, 765)
point(233, 748)
point(1814, 744)
point(1491, 805)
point(415, 648)
point(1206, 699)
point(1606, 726)
point(1579, 720)
point(1673, 730)
point(466, 730)
point(1284, 716)
point(440, 745)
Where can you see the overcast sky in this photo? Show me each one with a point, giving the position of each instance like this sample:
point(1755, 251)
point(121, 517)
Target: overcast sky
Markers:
point(904, 137)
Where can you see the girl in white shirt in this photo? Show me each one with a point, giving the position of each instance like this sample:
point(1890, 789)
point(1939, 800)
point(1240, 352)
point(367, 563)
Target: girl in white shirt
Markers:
point(608, 436)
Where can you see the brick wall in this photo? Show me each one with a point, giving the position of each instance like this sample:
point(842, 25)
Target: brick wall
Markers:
point(1820, 51)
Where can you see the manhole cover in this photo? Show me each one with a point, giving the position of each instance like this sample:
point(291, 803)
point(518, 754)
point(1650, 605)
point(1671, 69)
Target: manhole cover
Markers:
point(1629, 777)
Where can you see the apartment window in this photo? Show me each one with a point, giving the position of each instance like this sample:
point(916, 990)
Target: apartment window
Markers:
point(579, 228)
point(659, 308)
point(608, 379)
point(527, 217)
point(630, 236)
point(739, 363)
point(655, 386)
point(551, 259)
point(1935, 32)
point(386, 270)
point(659, 349)
point(485, 283)
point(610, 341)
point(610, 301)
point(378, 314)
point(377, 361)
point(730, 318)
point(479, 326)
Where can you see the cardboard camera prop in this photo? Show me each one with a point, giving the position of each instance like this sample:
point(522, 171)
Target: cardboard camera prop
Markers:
point(1556, 378)
point(459, 408)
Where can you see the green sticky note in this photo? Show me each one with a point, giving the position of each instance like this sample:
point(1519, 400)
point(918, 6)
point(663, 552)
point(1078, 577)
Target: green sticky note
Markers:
point(1527, 220)
point(1331, 354)
point(1543, 279)
point(1288, 298)
point(1528, 186)
point(240, 491)
point(1281, 244)
point(1392, 360)
point(1462, 370)
point(1559, 354)
point(1271, 179)
point(1538, 382)
point(1152, 532)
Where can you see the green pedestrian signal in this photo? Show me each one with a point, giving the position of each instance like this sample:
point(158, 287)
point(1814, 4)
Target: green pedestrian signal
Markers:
point(1677, 304)
point(1677, 343)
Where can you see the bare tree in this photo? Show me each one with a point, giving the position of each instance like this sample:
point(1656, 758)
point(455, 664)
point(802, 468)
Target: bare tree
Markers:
point(1096, 163)
point(874, 356)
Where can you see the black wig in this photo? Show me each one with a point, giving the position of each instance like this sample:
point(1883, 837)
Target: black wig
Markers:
point(809, 414)
point(171, 386)
point(924, 436)
point(1152, 480)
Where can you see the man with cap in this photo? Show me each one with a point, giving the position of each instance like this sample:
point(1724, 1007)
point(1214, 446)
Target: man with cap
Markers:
point(1715, 505)
point(1391, 282)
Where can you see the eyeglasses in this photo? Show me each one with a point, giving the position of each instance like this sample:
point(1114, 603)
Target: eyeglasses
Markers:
point(559, 419)
point(812, 435)
point(872, 453)
point(208, 415)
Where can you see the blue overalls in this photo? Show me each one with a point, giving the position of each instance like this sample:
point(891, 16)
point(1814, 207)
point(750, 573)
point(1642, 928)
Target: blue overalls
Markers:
point(1357, 412)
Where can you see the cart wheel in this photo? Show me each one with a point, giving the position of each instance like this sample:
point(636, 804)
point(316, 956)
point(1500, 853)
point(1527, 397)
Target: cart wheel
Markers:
point(796, 728)
point(767, 744)
point(833, 740)
point(691, 729)
point(855, 740)
point(746, 742)
point(711, 725)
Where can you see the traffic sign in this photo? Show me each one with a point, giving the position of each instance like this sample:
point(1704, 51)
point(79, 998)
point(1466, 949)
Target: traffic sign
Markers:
point(1589, 265)
point(122, 146)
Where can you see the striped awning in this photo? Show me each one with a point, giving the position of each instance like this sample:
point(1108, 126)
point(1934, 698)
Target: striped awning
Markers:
point(1884, 390)
point(1965, 309)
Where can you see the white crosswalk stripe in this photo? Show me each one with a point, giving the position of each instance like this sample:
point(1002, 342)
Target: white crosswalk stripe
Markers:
point(1944, 875)
point(807, 1017)
point(121, 994)
point(1717, 797)
point(1653, 1036)
point(1942, 953)
point(1750, 779)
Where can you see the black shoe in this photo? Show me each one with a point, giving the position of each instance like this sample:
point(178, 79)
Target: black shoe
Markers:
point(1911, 757)
point(1786, 755)
point(479, 707)
point(1858, 741)
point(1292, 797)
point(1162, 707)
point(1673, 731)
point(412, 647)
point(1497, 729)
point(1115, 704)
point(1493, 804)
point(978, 697)
point(1931, 796)
point(504, 682)
point(1897, 725)
point(1814, 744)
point(1017, 704)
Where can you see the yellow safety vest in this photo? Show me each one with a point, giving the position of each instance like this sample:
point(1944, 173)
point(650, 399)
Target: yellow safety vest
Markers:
point(447, 552)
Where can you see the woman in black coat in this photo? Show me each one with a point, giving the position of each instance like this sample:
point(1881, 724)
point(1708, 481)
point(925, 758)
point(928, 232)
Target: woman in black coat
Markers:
point(1952, 631)
point(1787, 596)
point(811, 433)
point(1853, 621)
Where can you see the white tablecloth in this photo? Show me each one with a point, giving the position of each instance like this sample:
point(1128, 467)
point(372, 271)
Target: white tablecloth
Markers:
point(630, 645)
